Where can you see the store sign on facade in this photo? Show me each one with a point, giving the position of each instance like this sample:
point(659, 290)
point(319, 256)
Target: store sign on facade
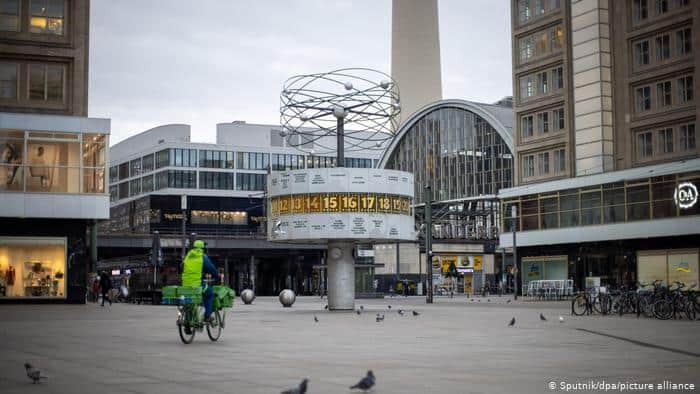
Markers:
point(685, 195)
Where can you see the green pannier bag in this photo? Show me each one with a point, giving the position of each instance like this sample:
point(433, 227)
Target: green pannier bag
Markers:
point(223, 297)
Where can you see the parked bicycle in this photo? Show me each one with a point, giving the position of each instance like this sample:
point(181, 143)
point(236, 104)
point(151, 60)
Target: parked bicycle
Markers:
point(587, 302)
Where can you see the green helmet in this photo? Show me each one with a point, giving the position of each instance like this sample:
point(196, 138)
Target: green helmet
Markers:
point(199, 244)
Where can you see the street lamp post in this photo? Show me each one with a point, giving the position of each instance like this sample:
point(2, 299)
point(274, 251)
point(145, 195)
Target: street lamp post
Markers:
point(428, 219)
point(514, 214)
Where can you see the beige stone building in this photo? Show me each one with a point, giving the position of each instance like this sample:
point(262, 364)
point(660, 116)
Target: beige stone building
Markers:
point(44, 48)
point(607, 159)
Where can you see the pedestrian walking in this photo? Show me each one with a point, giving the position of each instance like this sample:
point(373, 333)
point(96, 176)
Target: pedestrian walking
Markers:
point(105, 287)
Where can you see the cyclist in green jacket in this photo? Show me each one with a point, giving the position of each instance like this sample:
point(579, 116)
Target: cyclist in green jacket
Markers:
point(196, 264)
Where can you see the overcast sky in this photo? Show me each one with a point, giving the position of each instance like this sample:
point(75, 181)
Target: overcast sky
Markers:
point(206, 62)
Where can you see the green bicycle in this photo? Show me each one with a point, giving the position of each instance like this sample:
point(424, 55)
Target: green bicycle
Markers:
point(190, 311)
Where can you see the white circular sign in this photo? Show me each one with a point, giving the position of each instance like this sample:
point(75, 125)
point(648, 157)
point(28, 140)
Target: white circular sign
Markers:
point(685, 195)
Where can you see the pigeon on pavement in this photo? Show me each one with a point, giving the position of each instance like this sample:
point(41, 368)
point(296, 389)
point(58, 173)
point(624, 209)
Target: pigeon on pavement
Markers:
point(512, 322)
point(366, 383)
point(415, 313)
point(561, 319)
point(298, 390)
point(489, 300)
point(389, 306)
point(542, 317)
point(362, 307)
point(34, 374)
point(315, 319)
point(325, 307)
point(380, 318)
point(358, 311)
point(508, 301)
point(400, 312)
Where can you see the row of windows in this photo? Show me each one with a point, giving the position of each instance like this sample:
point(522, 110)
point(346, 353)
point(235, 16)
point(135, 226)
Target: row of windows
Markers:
point(664, 95)
point(541, 83)
point(641, 8)
point(532, 9)
point(216, 180)
point(666, 140)
point(667, 46)
point(541, 43)
point(538, 164)
point(46, 81)
point(237, 218)
point(644, 199)
point(542, 124)
point(281, 162)
point(176, 179)
point(47, 16)
point(215, 159)
point(225, 160)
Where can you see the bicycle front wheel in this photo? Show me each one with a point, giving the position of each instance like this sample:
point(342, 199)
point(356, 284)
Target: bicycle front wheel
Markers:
point(578, 305)
point(214, 327)
point(663, 309)
point(602, 304)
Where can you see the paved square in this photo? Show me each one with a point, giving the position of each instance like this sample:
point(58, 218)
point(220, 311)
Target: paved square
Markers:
point(454, 346)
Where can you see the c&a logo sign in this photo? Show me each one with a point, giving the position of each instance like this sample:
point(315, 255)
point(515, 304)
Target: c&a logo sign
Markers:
point(685, 195)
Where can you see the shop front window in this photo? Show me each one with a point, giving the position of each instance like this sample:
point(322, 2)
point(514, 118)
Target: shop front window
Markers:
point(32, 268)
point(54, 163)
point(11, 159)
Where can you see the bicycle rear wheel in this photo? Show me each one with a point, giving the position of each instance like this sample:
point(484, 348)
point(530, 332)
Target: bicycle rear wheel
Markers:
point(602, 304)
point(184, 327)
point(578, 305)
point(214, 327)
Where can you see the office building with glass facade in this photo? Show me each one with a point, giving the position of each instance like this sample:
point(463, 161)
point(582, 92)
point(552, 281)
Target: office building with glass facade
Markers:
point(462, 151)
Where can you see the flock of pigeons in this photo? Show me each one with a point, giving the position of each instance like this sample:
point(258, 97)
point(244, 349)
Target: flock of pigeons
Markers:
point(364, 384)
point(379, 317)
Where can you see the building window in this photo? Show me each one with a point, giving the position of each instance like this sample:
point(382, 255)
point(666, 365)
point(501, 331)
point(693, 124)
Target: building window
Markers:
point(641, 53)
point(183, 157)
point(543, 122)
point(123, 190)
point(543, 163)
point(661, 7)
point(47, 17)
point(687, 136)
point(124, 170)
point(542, 85)
point(162, 158)
point(147, 163)
point(526, 49)
point(216, 180)
point(559, 122)
point(528, 166)
point(641, 10)
point(147, 184)
point(113, 174)
point(556, 36)
point(527, 87)
point(663, 47)
point(134, 187)
point(46, 82)
point(644, 145)
point(684, 42)
point(182, 179)
point(663, 94)
point(9, 15)
point(666, 140)
point(8, 80)
point(526, 126)
point(539, 7)
point(252, 160)
point(215, 159)
point(246, 181)
point(559, 160)
point(643, 98)
point(524, 10)
point(558, 78)
point(685, 89)
point(135, 167)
